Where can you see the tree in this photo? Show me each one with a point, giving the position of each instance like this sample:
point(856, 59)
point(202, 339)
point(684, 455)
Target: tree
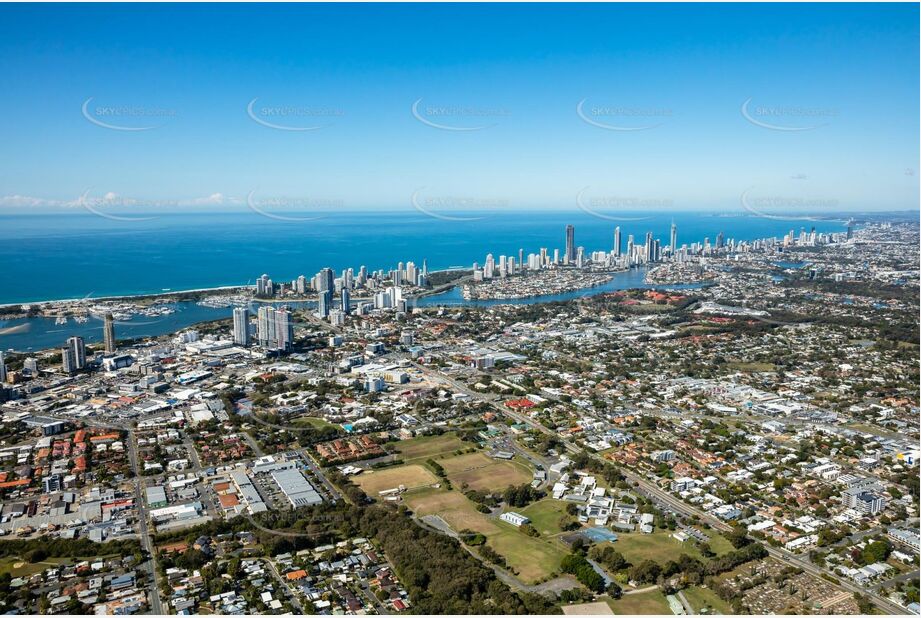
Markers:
point(609, 557)
point(529, 530)
point(36, 555)
point(864, 605)
point(877, 551)
point(645, 572)
point(738, 537)
point(577, 565)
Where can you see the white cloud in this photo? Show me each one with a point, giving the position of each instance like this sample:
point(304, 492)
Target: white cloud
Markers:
point(112, 198)
point(214, 198)
point(19, 201)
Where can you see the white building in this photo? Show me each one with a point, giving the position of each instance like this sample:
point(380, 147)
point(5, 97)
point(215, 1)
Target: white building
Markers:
point(906, 537)
point(514, 518)
point(863, 501)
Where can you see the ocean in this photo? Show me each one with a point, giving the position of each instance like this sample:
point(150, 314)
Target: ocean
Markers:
point(77, 255)
point(49, 257)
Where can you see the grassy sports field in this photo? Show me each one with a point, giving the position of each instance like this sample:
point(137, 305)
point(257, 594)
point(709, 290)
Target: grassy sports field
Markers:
point(459, 512)
point(545, 515)
point(652, 602)
point(409, 476)
point(658, 546)
point(481, 472)
point(533, 558)
point(428, 447)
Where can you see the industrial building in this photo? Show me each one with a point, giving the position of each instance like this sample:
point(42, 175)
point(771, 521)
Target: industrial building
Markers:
point(156, 496)
point(247, 490)
point(296, 488)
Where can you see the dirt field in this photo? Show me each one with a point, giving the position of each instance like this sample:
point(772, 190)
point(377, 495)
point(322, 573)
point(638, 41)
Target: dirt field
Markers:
point(451, 506)
point(479, 471)
point(409, 476)
point(598, 608)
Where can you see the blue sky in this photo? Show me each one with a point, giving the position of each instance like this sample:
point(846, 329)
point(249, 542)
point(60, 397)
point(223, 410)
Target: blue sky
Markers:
point(845, 75)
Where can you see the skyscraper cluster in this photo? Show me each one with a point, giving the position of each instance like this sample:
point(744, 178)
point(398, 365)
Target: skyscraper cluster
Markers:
point(326, 283)
point(274, 328)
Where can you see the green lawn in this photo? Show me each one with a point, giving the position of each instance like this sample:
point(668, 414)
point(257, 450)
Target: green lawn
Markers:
point(545, 515)
point(701, 598)
point(316, 422)
point(652, 602)
point(532, 558)
point(17, 567)
point(718, 543)
point(658, 546)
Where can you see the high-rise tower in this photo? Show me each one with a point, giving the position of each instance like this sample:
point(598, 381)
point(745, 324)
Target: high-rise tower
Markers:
point(73, 355)
point(570, 244)
point(108, 332)
point(241, 326)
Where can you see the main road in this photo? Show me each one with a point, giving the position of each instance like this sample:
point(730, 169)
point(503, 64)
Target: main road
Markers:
point(150, 565)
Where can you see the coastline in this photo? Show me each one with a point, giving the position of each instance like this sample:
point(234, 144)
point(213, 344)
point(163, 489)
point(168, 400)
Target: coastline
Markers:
point(205, 290)
point(62, 301)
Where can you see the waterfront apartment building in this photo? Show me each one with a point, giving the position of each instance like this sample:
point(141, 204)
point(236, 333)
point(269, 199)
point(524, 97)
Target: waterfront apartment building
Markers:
point(324, 280)
point(30, 366)
point(264, 286)
point(324, 303)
